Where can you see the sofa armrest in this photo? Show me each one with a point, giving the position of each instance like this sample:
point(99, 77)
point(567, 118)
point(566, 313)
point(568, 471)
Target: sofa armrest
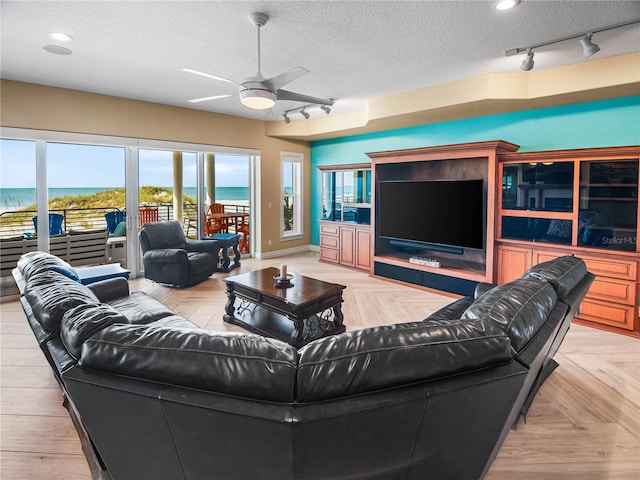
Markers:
point(165, 255)
point(110, 289)
point(481, 289)
point(205, 246)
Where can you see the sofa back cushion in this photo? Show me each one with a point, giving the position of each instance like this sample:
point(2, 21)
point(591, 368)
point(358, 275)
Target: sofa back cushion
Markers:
point(239, 364)
point(84, 320)
point(388, 356)
point(140, 308)
point(520, 308)
point(564, 273)
point(33, 263)
point(51, 294)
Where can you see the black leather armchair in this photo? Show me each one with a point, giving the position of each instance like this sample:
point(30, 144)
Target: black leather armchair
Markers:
point(169, 258)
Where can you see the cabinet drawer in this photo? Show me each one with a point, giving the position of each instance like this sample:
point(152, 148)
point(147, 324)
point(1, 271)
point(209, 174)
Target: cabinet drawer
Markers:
point(620, 316)
point(329, 230)
point(612, 267)
point(329, 255)
point(611, 290)
point(329, 242)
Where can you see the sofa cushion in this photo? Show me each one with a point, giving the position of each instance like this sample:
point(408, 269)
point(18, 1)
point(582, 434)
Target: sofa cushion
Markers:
point(520, 308)
point(201, 264)
point(141, 308)
point(51, 294)
point(239, 364)
point(388, 356)
point(81, 322)
point(564, 273)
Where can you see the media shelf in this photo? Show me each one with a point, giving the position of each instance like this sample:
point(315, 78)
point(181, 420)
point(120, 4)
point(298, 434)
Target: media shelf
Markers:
point(450, 267)
point(460, 272)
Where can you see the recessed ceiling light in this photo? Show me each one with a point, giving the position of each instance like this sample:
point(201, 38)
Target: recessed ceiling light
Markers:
point(506, 4)
point(63, 37)
point(57, 49)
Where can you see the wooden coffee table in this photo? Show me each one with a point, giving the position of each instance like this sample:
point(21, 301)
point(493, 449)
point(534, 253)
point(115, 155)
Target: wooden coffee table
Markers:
point(306, 310)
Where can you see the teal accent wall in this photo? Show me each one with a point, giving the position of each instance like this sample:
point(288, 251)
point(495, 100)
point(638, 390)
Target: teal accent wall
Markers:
point(603, 123)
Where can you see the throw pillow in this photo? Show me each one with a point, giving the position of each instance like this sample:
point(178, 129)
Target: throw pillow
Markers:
point(121, 230)
point(68, 272)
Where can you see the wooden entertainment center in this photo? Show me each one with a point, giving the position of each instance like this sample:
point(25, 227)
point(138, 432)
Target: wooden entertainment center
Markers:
point(538, 206)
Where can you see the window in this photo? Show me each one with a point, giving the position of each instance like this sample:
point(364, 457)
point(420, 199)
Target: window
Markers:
point(291, 201)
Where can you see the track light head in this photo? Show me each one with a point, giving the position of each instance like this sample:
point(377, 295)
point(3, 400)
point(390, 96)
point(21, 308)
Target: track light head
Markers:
point(326, 109)
point(588, 47)
point(305, 114)
point(527, 63)
point(287, 120)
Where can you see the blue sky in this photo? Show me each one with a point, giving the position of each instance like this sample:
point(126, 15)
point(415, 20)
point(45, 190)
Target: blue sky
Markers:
point(96, 166)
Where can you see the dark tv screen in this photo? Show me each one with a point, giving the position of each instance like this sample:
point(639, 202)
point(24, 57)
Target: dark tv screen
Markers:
point(444, 212)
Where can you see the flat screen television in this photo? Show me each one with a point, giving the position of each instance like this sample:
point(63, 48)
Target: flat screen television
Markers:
point(432, 213)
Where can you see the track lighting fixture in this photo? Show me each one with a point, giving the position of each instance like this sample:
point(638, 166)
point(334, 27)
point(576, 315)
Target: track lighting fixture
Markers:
point(527, 63)
point(303, 110)
point(588, 47)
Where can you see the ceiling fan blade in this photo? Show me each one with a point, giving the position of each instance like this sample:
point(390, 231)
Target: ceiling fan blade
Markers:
point(208, 75)
point(281, 80)
point(205, 99)
point(298, 97)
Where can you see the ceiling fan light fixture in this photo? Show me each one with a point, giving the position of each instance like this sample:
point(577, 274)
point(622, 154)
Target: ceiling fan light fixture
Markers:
point(257, 99)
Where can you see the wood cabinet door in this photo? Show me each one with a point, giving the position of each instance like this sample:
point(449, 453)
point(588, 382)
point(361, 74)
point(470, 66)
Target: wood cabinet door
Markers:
point(512, 263)
point(348, 246)
point(363, 249)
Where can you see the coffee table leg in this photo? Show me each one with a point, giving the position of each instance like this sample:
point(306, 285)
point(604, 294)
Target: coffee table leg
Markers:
point(337, 313)
point(297, 339)
point(229, 306)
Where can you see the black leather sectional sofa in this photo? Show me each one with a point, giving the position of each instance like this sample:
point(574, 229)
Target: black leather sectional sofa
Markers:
point(155, 397)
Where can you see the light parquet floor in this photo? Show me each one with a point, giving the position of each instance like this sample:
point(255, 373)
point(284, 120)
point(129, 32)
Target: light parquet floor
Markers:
point(584, 423)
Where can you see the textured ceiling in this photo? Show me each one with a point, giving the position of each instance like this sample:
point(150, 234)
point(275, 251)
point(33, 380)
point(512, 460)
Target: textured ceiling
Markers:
point(355, 50)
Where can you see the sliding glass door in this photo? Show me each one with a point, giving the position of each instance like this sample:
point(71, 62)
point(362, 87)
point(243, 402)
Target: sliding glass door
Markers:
point(54, 184)
point(18, 189)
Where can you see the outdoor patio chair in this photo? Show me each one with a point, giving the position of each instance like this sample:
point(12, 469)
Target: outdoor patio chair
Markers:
point(213, 223)
point(55, 224)
point(148, 215)
point(114, 218)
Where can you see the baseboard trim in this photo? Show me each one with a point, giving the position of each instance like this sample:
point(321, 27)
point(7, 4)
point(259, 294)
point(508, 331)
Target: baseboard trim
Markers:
point(286, 251)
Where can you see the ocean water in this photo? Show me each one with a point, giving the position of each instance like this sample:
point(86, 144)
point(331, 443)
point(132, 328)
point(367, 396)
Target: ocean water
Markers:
point(12, 198)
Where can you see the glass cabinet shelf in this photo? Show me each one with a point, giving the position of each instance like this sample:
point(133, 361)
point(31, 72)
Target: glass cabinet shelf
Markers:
point(346, 194)
point(545, 202)
point(544, 186)
point(608, 216)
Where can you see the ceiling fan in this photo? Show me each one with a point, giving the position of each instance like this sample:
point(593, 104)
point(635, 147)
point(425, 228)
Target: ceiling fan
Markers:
point(258, 92)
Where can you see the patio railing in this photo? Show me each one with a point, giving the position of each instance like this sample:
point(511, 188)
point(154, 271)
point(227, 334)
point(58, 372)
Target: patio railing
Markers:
point(18, 223)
